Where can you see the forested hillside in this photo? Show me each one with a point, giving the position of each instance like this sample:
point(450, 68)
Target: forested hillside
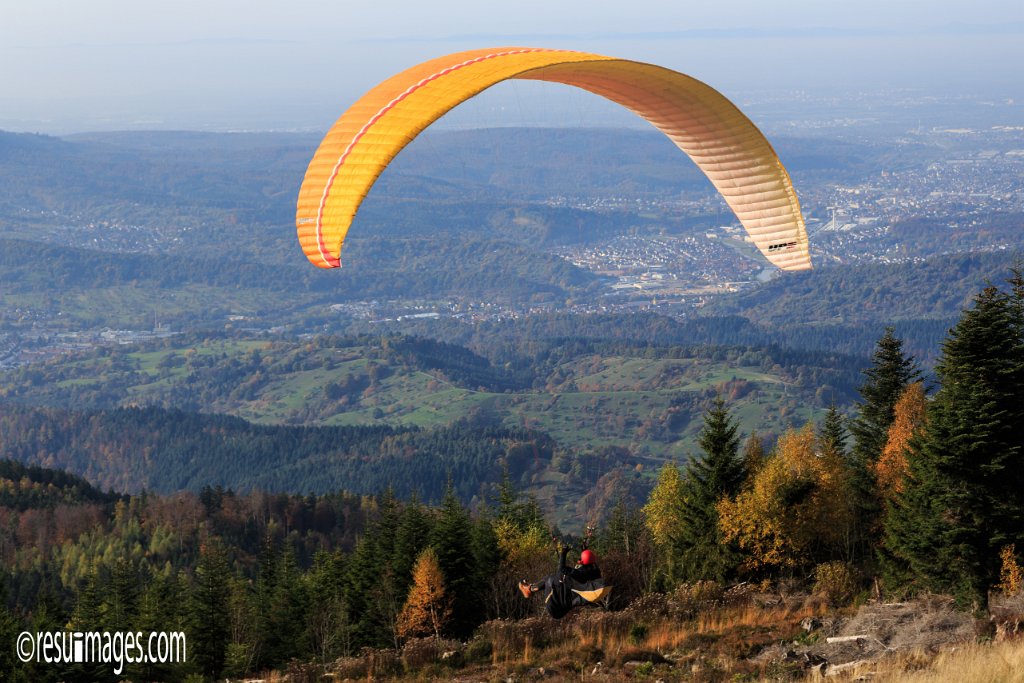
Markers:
point(936, 288)
point(167, 451)
point(30, 486)
point(739, 562)
point(92, 288)
point(589, 395)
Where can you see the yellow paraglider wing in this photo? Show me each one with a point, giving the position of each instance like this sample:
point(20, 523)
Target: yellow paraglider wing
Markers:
point(724, 144)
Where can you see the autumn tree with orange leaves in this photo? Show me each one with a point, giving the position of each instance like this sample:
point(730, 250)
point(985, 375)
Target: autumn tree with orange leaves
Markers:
point(909, 420)
point(428, 607)
point(796, 511)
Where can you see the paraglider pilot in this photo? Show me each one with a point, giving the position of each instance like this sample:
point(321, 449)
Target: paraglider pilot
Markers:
point(568, 588)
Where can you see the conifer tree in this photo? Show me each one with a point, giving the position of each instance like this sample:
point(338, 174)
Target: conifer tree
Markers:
point(412, 533)
point(451, 540)
point(385, 527)
point(889, 375)
point(715, 473)
point(121, 604)
point(245, 641)
point(524, 515)
point(285, 613)
point(486, 557)
point(361, 577)
point(963, 500)
point(87, 614)
point(161, 608)
point(47, 616)
point(267, 567)
point(9, 629)
point(832, 435)
point(209, 626)
point(372, 598)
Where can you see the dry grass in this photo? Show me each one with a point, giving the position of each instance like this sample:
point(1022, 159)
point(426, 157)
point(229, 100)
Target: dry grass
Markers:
point(975, 663)
point(754, 616)
point(710, 636)
point(713, 637)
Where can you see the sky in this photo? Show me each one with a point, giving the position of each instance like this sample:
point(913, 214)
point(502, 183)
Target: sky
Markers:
point(69, 66)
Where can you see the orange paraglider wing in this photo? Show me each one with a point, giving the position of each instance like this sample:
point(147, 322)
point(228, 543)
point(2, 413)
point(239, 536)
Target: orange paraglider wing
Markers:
point(724, 144)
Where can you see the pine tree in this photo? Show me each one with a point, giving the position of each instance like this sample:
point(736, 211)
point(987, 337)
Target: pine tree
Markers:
point(10, 627)
point(963, 500)
point(412, 533)
point(1016, 406)
point(486, 554)
point(245, 630)
point(47, 616)
point(889, 375)
point(715, 473)
point(87, 614)
point(428, 607)
point(121, 604)
point(362, 576)
point(371, 594)
point(209, 633)
point(283, 637)
point(832, 435)
point(330, 632)
point(385, 527)
point(451, 540)
point(524, 515)
point(161, 608)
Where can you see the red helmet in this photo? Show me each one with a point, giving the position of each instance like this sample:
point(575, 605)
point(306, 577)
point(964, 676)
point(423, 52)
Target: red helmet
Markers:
point(586, 557)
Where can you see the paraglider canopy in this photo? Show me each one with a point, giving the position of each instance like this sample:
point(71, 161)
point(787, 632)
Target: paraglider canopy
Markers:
point(724, 144)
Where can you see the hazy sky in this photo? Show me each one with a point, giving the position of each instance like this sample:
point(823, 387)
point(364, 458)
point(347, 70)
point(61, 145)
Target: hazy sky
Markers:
point(67, 65)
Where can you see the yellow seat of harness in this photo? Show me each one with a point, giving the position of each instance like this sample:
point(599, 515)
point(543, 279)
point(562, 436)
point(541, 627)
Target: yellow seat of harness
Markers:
point(594, 595)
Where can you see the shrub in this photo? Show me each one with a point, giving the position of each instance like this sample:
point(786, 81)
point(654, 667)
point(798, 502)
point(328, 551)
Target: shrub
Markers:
point(689, 599)
point(304, 672)
point(835, 581)
point(418, 652)
point(479, 650)
point(1011, 577)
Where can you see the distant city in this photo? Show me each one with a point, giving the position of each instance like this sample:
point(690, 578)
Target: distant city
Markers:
point(928, 190)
